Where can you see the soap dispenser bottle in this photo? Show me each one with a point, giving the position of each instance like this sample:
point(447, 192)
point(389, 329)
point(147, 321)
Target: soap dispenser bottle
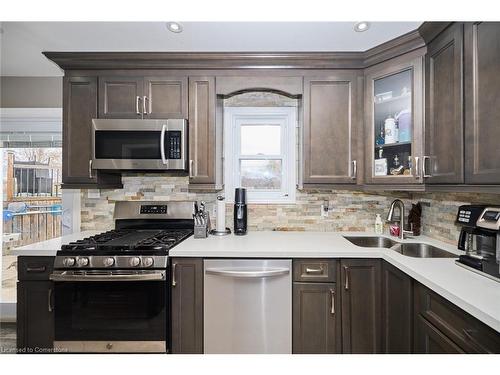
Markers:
point(379, 225)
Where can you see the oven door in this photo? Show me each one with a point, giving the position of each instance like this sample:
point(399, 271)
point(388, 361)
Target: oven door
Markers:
point(139, 144)
point(111, 311)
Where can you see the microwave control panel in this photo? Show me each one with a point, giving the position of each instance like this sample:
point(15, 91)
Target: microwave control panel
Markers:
point(173, 144)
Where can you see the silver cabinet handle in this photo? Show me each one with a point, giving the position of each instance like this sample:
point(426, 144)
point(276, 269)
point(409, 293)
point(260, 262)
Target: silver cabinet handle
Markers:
point(332, 306)
point(162, 144)
point(346, 282)
point(50, 307)
point(424, 166)
point(174, 282)
point(144, 110)
point(191, 168)
point(354, 169)
point(417, 169)
point(247, 274)
point(314, 270)
point(468, 335)
point(90, 169)
point(137, 99)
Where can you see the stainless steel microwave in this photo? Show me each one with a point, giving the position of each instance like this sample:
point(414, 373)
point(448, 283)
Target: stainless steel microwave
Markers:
point(140, 144)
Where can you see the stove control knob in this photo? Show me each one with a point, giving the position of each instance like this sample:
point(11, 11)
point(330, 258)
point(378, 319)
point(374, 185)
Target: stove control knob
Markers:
point(69, 262)
point(134, 261)
point(108, 262)
point(82, 262)
point(147, 262)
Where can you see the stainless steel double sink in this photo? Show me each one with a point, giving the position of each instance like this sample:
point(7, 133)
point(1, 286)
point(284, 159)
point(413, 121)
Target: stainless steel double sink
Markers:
point(411, 249)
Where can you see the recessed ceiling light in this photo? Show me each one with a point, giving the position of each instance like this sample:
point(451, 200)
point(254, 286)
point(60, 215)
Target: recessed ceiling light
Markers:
point(361, 26)
point(174, 27)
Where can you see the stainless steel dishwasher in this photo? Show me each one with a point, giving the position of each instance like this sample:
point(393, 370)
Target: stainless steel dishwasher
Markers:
point(248, 306)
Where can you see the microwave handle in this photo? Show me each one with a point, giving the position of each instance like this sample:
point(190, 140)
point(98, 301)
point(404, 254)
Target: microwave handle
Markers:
point(162, 143)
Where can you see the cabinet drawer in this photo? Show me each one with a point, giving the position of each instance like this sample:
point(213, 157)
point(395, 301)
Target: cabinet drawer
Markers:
point(34, 267)
point(466, 331)
point(311, 270)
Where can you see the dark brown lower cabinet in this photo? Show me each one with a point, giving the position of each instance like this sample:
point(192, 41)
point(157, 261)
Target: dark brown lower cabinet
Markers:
point(430, 340)
point(361, 306)
point(437, 314)
point(35, 316)
point(397, 311)
point(316, 318)
point(187, 306)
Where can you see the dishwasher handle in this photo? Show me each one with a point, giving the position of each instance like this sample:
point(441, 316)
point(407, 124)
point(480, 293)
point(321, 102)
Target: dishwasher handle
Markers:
point(247, 274)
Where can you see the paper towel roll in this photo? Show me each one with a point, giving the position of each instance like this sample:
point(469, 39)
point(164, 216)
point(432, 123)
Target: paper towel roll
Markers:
point(221, 214)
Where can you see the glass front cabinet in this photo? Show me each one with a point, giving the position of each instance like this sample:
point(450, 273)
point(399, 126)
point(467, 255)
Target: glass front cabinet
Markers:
point(394, 130)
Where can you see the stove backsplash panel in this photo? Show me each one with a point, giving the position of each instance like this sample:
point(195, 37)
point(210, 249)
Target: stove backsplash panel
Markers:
point(349, 211)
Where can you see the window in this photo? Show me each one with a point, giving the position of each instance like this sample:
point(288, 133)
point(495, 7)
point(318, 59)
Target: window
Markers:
point(260, 153)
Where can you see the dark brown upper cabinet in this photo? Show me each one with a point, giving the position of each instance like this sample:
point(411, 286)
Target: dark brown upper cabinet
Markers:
point(143, 97)
point(316, 318)
point(397, 311)
point(444, 160)
point(202, 127)
point(165, 97)
point(482, 102)
point(394, 121)
point(361, 306)
point(331, 128)
point(79, 108)
point(187, 306)
point(120, 97)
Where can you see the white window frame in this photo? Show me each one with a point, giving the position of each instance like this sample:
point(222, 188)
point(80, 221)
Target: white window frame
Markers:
point(286, 117)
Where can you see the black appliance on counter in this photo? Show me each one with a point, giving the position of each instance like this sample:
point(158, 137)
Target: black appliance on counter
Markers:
point(240, 211)
point(480, 239)
point(112, 292)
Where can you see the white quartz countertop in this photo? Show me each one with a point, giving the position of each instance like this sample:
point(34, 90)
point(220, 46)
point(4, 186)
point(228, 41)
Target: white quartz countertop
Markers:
point(476, 294)
point(50, 247)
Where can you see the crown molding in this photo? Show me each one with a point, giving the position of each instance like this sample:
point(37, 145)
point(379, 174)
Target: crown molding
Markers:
point(248, 60)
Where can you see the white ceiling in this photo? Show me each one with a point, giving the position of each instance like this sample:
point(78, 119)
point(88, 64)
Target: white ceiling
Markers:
point(23, 42)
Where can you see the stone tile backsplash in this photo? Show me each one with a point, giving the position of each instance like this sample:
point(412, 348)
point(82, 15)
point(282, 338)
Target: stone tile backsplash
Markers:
point(349, 211)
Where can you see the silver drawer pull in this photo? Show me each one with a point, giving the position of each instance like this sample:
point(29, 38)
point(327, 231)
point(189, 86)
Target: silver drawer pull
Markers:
point(247, 274)
point(346, 283)
point(314, 270)
point(332, 307)
point(354, 169)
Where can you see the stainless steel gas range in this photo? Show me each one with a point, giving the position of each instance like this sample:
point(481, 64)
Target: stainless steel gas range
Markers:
point(111, 290)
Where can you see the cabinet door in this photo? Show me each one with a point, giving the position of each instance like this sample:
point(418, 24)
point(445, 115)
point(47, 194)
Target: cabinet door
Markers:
point(361, 310)
point(397, 311)
point(187, 306)
point(316, 319)
point(120, 97)
point(165, 97)
point(80, 107)
point(331, 117)
point(202, 104)
point(482, 102)
point(35, 316)
point(429, 340)
point(444, 108)
point(394, 121)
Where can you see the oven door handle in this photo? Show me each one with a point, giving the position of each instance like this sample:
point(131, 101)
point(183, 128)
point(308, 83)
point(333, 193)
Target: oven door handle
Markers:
point(162, 144)
point(62, 276)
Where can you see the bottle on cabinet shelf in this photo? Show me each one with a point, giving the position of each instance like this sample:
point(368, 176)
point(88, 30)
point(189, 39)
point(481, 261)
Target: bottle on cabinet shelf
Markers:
point(390, 130)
